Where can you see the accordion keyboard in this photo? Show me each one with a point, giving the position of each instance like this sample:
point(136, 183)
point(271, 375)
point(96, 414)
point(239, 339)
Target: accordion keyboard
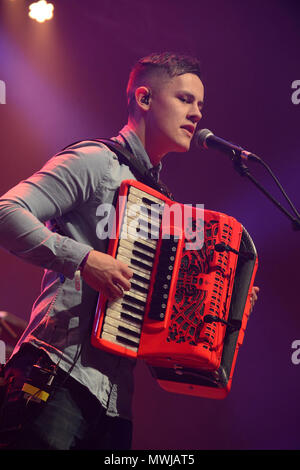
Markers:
point(137, 246)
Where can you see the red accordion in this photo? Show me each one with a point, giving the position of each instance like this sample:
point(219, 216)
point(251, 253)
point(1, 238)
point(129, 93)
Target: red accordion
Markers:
point(186, 312)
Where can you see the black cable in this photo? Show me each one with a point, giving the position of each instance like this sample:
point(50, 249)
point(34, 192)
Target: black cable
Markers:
point(266, 166)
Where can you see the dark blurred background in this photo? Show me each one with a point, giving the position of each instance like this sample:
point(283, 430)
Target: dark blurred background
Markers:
point(65, 81)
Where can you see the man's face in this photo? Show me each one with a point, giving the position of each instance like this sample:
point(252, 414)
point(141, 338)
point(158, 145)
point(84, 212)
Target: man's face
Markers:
point(173, 114)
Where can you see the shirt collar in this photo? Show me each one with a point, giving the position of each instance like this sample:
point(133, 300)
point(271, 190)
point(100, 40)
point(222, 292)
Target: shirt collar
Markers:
point(127, 137)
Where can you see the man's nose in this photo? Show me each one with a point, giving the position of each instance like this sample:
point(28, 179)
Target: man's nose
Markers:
point(195, 114)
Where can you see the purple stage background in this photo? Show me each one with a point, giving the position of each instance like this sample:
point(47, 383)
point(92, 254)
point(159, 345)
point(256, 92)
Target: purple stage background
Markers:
point(65, 81)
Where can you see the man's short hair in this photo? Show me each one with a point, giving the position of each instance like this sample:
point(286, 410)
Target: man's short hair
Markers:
point(162, 66)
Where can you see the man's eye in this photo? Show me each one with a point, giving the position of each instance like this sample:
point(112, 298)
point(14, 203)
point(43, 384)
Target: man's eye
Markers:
point(184, 100)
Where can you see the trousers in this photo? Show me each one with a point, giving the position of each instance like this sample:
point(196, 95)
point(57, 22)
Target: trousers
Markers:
point(70, 419)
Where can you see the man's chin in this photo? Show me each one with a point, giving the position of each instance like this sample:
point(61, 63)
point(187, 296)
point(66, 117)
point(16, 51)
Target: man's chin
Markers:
point(182, 148)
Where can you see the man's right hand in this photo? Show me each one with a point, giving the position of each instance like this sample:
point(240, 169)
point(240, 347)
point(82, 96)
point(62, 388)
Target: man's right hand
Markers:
point(104, 273)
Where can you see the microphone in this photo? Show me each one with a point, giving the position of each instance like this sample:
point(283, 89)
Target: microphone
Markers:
point(206, 139)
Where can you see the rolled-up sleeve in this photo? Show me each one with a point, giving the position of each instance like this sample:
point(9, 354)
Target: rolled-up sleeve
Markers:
point(64, 183)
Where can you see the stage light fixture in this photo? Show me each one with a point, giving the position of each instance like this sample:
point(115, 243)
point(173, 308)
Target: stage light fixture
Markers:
point(41, 11)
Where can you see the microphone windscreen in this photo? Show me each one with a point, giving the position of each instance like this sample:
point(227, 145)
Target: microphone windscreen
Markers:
point(201, 137)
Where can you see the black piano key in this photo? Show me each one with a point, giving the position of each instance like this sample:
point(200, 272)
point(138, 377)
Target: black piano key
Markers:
point(131, 308)
point(127, 316)
point(137, 277)
point(147, 226)
point(129, 253)
point(140, 244)
point(128, 331)
point(144, 234)
point(149, 223)
point(126, 341)
point(143, 255)
point(139, 288)
point(147, 201)
point(133, 299)
point(141, 265)
point(151, 212)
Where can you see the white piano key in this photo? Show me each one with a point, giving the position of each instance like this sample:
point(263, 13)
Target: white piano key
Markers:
point(139, 269)
point(131, 234)
point(128, 245)
point(131, 317)
point(114, 331)
point(144, 228)
point(138, 282)
point(117, 322)
point(118, 304)
point(112, 338)
point(141, 194)
point(136, 259)
point(134, 213)
point(137, 296)
point(134, 256)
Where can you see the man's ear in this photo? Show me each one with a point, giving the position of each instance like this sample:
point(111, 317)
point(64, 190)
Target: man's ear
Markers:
point(143, 97)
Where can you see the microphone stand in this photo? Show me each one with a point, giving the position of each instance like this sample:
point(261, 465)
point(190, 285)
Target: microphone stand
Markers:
point(243, 170)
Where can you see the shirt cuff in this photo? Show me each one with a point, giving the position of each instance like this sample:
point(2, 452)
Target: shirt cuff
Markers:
point(82, 264)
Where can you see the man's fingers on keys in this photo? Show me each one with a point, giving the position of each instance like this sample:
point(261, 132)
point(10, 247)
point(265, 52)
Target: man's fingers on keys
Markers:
point(122, 286)
point(126, 271)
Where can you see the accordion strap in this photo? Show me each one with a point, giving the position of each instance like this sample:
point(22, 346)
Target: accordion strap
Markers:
point(143, 175)
point(127, 157)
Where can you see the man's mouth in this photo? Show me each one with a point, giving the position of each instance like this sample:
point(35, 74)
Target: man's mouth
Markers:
point(189, 128)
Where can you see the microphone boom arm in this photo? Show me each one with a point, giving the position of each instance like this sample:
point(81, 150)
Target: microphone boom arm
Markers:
point(206, 139)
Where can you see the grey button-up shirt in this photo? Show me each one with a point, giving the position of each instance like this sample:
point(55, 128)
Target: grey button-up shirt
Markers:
point(69, 188)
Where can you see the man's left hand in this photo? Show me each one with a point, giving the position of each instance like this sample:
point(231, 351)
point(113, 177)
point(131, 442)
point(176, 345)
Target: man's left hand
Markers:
point(254, 297)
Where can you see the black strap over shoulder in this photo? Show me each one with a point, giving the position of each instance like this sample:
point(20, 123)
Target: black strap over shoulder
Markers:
point(127, 157)
point(142, 175)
